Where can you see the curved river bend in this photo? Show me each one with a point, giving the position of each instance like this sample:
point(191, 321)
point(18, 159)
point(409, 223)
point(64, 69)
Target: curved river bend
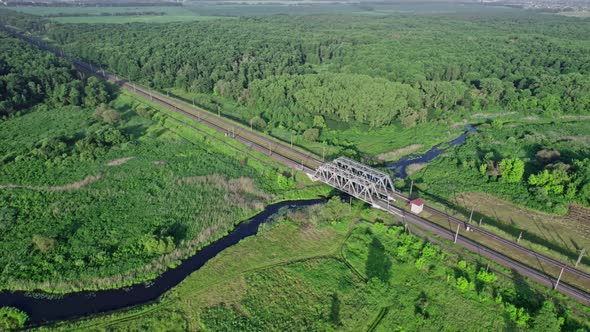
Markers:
point(399, 167)
point(74, 305)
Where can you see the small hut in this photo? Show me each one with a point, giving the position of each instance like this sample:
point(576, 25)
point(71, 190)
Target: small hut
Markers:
point(416, 205)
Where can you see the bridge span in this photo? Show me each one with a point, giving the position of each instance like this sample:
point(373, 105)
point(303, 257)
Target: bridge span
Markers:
point(358, 180)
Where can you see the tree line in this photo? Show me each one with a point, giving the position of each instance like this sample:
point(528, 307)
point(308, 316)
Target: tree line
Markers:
point(29, 77)
point(353, 69)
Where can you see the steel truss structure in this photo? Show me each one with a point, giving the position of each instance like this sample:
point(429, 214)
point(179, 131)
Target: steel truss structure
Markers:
point(381, 180)
point(356, 179)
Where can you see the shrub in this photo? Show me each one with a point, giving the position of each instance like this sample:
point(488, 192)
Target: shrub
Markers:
point(518, 315)
point(512, 170)
point(486, 277)
point(107, 115)
point(464, 285)
point(258, 122)
point(12, 318)
point(311, 134)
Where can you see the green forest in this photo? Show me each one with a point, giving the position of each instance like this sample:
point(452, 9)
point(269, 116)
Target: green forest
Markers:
point(29, 77)
point(420, 68)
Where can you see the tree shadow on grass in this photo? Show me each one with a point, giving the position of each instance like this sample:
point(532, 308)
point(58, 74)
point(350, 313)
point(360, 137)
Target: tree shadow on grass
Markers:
point(378, 263)
point(335, 310)
point(135, 131)
point(421, 304)
point(526, 296)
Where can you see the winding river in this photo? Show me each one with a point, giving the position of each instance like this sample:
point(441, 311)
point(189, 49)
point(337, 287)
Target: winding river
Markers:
point(73, 305)
point(399, 167)
point(44, 308)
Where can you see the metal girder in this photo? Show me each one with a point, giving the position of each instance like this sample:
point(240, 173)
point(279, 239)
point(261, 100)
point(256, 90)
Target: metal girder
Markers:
point(355, 179)
point(381, 179)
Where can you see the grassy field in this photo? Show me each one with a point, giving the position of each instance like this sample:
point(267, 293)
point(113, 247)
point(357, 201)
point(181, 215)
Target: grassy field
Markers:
point(93, 15)
point(374, 9)
point(153, 198)
point(585, 14)
point(561, 231)
point(305, 273)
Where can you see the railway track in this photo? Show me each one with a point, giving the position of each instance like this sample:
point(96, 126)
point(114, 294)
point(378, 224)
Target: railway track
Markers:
point(289, 157)
point(513, 245)
point(299, 160)
point(499, 258)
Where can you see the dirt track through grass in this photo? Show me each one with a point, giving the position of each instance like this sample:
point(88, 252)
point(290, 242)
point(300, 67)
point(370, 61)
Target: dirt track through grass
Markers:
point(70, 186)
point(120, 161)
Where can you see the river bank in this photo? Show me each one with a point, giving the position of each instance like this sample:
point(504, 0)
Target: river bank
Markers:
point(43, 307)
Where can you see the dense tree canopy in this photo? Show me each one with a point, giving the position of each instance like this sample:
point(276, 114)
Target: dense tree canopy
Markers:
point(28, 76)
point(343, 96)
point(354, 68)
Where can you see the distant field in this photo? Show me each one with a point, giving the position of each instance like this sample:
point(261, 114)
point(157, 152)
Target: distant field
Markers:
point(575, 14)
point(116, 14)
point(244, 9)
point(132, 19)
point(199, 12)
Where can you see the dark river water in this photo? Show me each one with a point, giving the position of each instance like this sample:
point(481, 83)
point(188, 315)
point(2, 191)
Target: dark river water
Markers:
point(73, 305)
point(399, 167)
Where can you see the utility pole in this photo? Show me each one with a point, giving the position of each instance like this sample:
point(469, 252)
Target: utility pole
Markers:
point(291, 140)
point(558, 279)
point(406, 223)
point(471, 215)
point(251, 125)
point(411, 188)
point(480, 220)
point(582, 252)
point(519, 237)
point(457, 233)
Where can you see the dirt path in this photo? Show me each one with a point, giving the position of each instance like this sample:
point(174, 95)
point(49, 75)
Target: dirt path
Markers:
point(70, 186)
point(120, 161)
point(391, 155)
